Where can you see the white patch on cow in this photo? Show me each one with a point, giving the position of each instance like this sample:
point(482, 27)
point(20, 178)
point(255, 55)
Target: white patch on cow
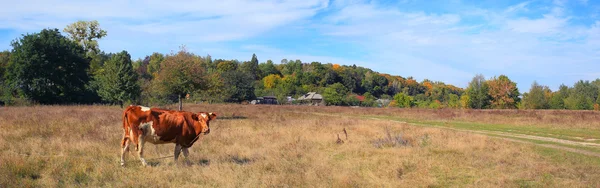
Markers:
point(203, 115)
point(144, 108)
point(150, 134)
point(131, 134)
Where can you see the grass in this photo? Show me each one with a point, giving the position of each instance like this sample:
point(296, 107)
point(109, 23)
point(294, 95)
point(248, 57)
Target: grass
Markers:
point(561, 133)
point(265, 146)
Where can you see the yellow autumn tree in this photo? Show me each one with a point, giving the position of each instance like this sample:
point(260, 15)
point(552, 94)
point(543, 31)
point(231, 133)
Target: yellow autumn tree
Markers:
point(504, 93)
point(336, 67)
point(271, 81)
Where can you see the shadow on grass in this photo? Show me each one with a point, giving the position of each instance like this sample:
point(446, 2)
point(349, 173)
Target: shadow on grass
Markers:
point(240, 160)
point(231, 117)
point(203, 162)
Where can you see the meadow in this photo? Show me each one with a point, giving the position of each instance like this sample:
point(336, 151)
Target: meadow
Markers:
point(297, 146)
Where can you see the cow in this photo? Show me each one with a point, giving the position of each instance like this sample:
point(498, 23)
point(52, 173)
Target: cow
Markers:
point(159, 126)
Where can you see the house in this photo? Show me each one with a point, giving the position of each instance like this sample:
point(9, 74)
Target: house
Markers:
point(265, 100)
point(312, 98)
point(383, 102)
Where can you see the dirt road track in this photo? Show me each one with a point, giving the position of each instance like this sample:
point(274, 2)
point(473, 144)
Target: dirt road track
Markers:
point(513, 137)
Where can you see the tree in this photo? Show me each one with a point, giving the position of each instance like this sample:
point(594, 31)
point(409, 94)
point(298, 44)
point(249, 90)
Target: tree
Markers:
point(374, 83)
point(582, 96)
point(503, 92)
point(403, 100)
point(4, 59)
point(291, 67)
point(536, 98)
point(226, 66)
point(155, 61)
point(180, 74)
point(141, 68)
point(48, 68)
point(118, 82)
point(453, 101)
point(97, 61)
point(86, 33)
point(334, 94)
point(558, 98)
point(478, 96)
point(465, 101)
point(215, 89)
point(239, 86)
point(251, 67)
point(268, 68)
point(271, 81)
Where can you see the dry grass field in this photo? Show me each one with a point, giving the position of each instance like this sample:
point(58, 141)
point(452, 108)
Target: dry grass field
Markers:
point(295, 146)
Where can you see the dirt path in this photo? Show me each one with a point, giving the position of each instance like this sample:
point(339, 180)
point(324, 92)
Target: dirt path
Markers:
point(499, 134)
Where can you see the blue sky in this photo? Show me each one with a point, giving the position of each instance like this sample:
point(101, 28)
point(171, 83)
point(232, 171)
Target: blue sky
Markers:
point(548, 41)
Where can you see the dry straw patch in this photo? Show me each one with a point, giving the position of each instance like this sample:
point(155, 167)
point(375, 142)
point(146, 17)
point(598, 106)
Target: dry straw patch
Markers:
point(260, 146)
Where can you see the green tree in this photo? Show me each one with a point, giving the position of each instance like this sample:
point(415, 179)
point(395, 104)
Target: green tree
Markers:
point(215, 90)
point(239, 86)
point(86, 34)
point(97, 61)
point(155, 61)
point(335, 94)
point(251, 67)
point(403, 100)
point(180, 74)
point(4, 59)
point(369, 100)
point(226, 66)
point(118, 82)
point(537, 97)
point(268, 68)
point(453, 101)
point(582, 96)
point(558, 98)
point(478, 96)
point(374, 83)
point(291, 67)
point(48, 68)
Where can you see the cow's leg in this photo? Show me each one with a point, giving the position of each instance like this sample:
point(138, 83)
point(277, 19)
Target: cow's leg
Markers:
point(186, 153)
point(177, 150)
point(124, 149)
point(136, 139)
point(141, 150)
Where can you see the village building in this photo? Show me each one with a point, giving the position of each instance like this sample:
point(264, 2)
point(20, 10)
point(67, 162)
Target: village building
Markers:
point(312, 99)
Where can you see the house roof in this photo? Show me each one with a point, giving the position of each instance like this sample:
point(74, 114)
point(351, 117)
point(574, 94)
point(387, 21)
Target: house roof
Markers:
point(360, 98)
point(311, 96)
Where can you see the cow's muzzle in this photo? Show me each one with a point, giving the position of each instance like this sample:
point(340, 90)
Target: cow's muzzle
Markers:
point(207, 131)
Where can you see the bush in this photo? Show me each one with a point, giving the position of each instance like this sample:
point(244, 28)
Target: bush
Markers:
point(390, 141)
point(403, 100)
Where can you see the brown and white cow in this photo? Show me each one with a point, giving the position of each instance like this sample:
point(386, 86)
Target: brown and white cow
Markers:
point(159, 126)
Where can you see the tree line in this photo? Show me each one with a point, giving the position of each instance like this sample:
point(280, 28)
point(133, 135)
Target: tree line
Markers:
point(51, 68)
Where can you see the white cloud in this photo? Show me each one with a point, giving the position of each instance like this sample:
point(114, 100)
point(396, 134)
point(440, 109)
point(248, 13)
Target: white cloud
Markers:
point(546, 25)
point(448, 47)
point(442, 47)
point(200, 20)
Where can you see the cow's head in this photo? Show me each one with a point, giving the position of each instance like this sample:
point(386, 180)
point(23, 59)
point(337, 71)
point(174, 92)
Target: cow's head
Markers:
point(204, 119)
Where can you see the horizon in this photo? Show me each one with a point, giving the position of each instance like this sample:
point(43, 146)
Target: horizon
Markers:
point(551, 42)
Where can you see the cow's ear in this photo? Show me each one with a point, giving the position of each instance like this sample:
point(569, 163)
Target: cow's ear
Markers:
point(202, 115)
point(212, 116)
